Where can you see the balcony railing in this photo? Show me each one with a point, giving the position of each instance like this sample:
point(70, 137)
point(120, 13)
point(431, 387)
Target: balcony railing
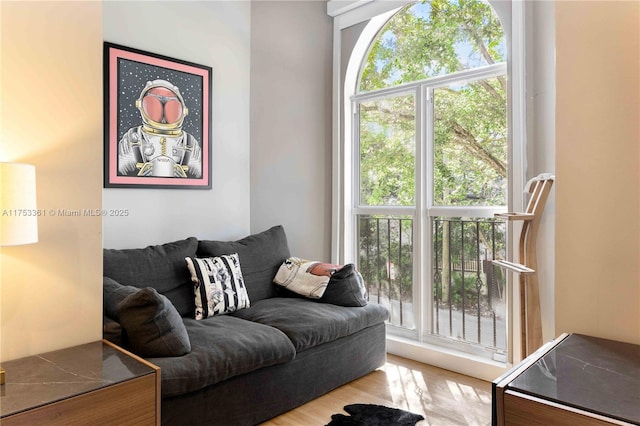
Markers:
point(468, 300)
point(468, 290)
point(386, 264)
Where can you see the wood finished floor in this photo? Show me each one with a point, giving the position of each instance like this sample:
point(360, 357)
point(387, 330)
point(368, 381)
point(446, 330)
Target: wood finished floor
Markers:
point(443, 397)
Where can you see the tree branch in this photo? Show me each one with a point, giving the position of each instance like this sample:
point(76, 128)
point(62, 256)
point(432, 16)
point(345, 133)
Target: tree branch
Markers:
point(400, 115)
point(479, 44)
point(485, 54)
point(467, 140)
point(461, 136)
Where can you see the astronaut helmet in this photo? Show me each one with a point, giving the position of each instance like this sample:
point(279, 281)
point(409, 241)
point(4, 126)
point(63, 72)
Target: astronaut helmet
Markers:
point(162, 107)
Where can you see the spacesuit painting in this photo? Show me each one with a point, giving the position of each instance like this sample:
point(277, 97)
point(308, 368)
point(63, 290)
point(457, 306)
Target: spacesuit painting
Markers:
point(159, 147)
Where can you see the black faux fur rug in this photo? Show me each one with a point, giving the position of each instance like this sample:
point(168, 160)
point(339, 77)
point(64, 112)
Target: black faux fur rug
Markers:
point(374, 415)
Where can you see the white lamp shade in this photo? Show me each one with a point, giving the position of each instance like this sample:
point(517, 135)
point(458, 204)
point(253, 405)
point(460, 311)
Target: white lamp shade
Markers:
point(18, 210)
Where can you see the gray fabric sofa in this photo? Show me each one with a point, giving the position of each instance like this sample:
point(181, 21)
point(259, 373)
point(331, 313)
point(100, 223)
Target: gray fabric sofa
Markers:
point(243, 367)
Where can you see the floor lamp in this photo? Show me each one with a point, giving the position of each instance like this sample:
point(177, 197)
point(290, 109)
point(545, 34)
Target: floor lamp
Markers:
point(18, 211)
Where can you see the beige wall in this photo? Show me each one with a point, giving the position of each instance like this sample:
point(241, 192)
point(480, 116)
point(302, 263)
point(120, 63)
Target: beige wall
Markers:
point(597, 286)
point(51, 116)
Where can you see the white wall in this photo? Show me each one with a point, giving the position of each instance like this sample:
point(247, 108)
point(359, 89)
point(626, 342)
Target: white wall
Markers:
point(216, 34)
point(291, 83)
point(541, 138)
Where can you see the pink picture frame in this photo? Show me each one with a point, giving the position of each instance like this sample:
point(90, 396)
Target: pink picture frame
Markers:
point(157, 121)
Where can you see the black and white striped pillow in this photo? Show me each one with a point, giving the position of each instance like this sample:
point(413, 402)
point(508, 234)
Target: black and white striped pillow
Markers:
point(218, 285)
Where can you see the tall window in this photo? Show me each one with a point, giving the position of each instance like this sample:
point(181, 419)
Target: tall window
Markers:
point(430, 170)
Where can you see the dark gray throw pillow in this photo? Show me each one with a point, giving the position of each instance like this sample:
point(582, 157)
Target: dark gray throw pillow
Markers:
point(112, 331)
point(112, 294)
point(345, 288)
point(260, 258)
point(161, 267)
point(152, 325)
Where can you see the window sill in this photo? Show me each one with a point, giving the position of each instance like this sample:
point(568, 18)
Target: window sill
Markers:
point(459, 362)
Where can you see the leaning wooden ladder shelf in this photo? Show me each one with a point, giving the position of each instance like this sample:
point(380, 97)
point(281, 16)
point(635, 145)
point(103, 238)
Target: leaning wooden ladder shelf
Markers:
point(530, 318)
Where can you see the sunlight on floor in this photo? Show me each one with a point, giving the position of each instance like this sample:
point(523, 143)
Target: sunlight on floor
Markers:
point(444, 398)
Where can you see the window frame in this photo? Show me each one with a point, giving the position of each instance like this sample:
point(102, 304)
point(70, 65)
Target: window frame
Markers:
point(373, 14)
point(424, 208)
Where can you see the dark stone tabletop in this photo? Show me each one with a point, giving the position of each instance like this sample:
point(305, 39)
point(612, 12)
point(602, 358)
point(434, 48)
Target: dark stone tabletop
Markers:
point(43, 379)
point(596, 375)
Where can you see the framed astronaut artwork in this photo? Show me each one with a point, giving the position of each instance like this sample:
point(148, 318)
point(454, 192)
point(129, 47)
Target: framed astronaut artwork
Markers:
point(157, 121)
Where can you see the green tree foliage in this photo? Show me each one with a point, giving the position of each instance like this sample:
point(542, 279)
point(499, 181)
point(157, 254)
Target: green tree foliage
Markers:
point(421, 41)
point(433, 38)
point(470, 147)
point(386, 256)
point(387, 151)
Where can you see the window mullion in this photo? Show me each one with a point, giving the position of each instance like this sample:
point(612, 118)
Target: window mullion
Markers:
point(438, 81)
point(352, 199)
point(385, 210)
point(420, 269)
point(355, 190)
point(466, 211)
point(429, 142)
point(422, 281)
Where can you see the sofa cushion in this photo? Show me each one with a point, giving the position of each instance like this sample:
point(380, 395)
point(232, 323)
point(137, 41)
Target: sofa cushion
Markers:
point(112, 331)
point(260, 257)
point(222, 347)
point(112, 294)
point(345, 288)
point(313, 323)
point(161, 267)
point(152, 325)
point(218, 285)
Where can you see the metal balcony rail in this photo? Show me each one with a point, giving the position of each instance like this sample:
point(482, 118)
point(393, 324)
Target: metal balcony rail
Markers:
point(468, 300)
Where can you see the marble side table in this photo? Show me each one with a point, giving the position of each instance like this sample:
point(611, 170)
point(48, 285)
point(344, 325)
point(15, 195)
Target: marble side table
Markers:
point(96, 383)
point(574, 380)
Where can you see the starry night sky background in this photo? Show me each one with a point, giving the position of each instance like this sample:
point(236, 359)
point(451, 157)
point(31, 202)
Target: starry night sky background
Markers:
point(133, 76)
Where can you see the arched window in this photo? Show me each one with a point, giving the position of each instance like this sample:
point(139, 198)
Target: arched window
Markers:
point(428, 169)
